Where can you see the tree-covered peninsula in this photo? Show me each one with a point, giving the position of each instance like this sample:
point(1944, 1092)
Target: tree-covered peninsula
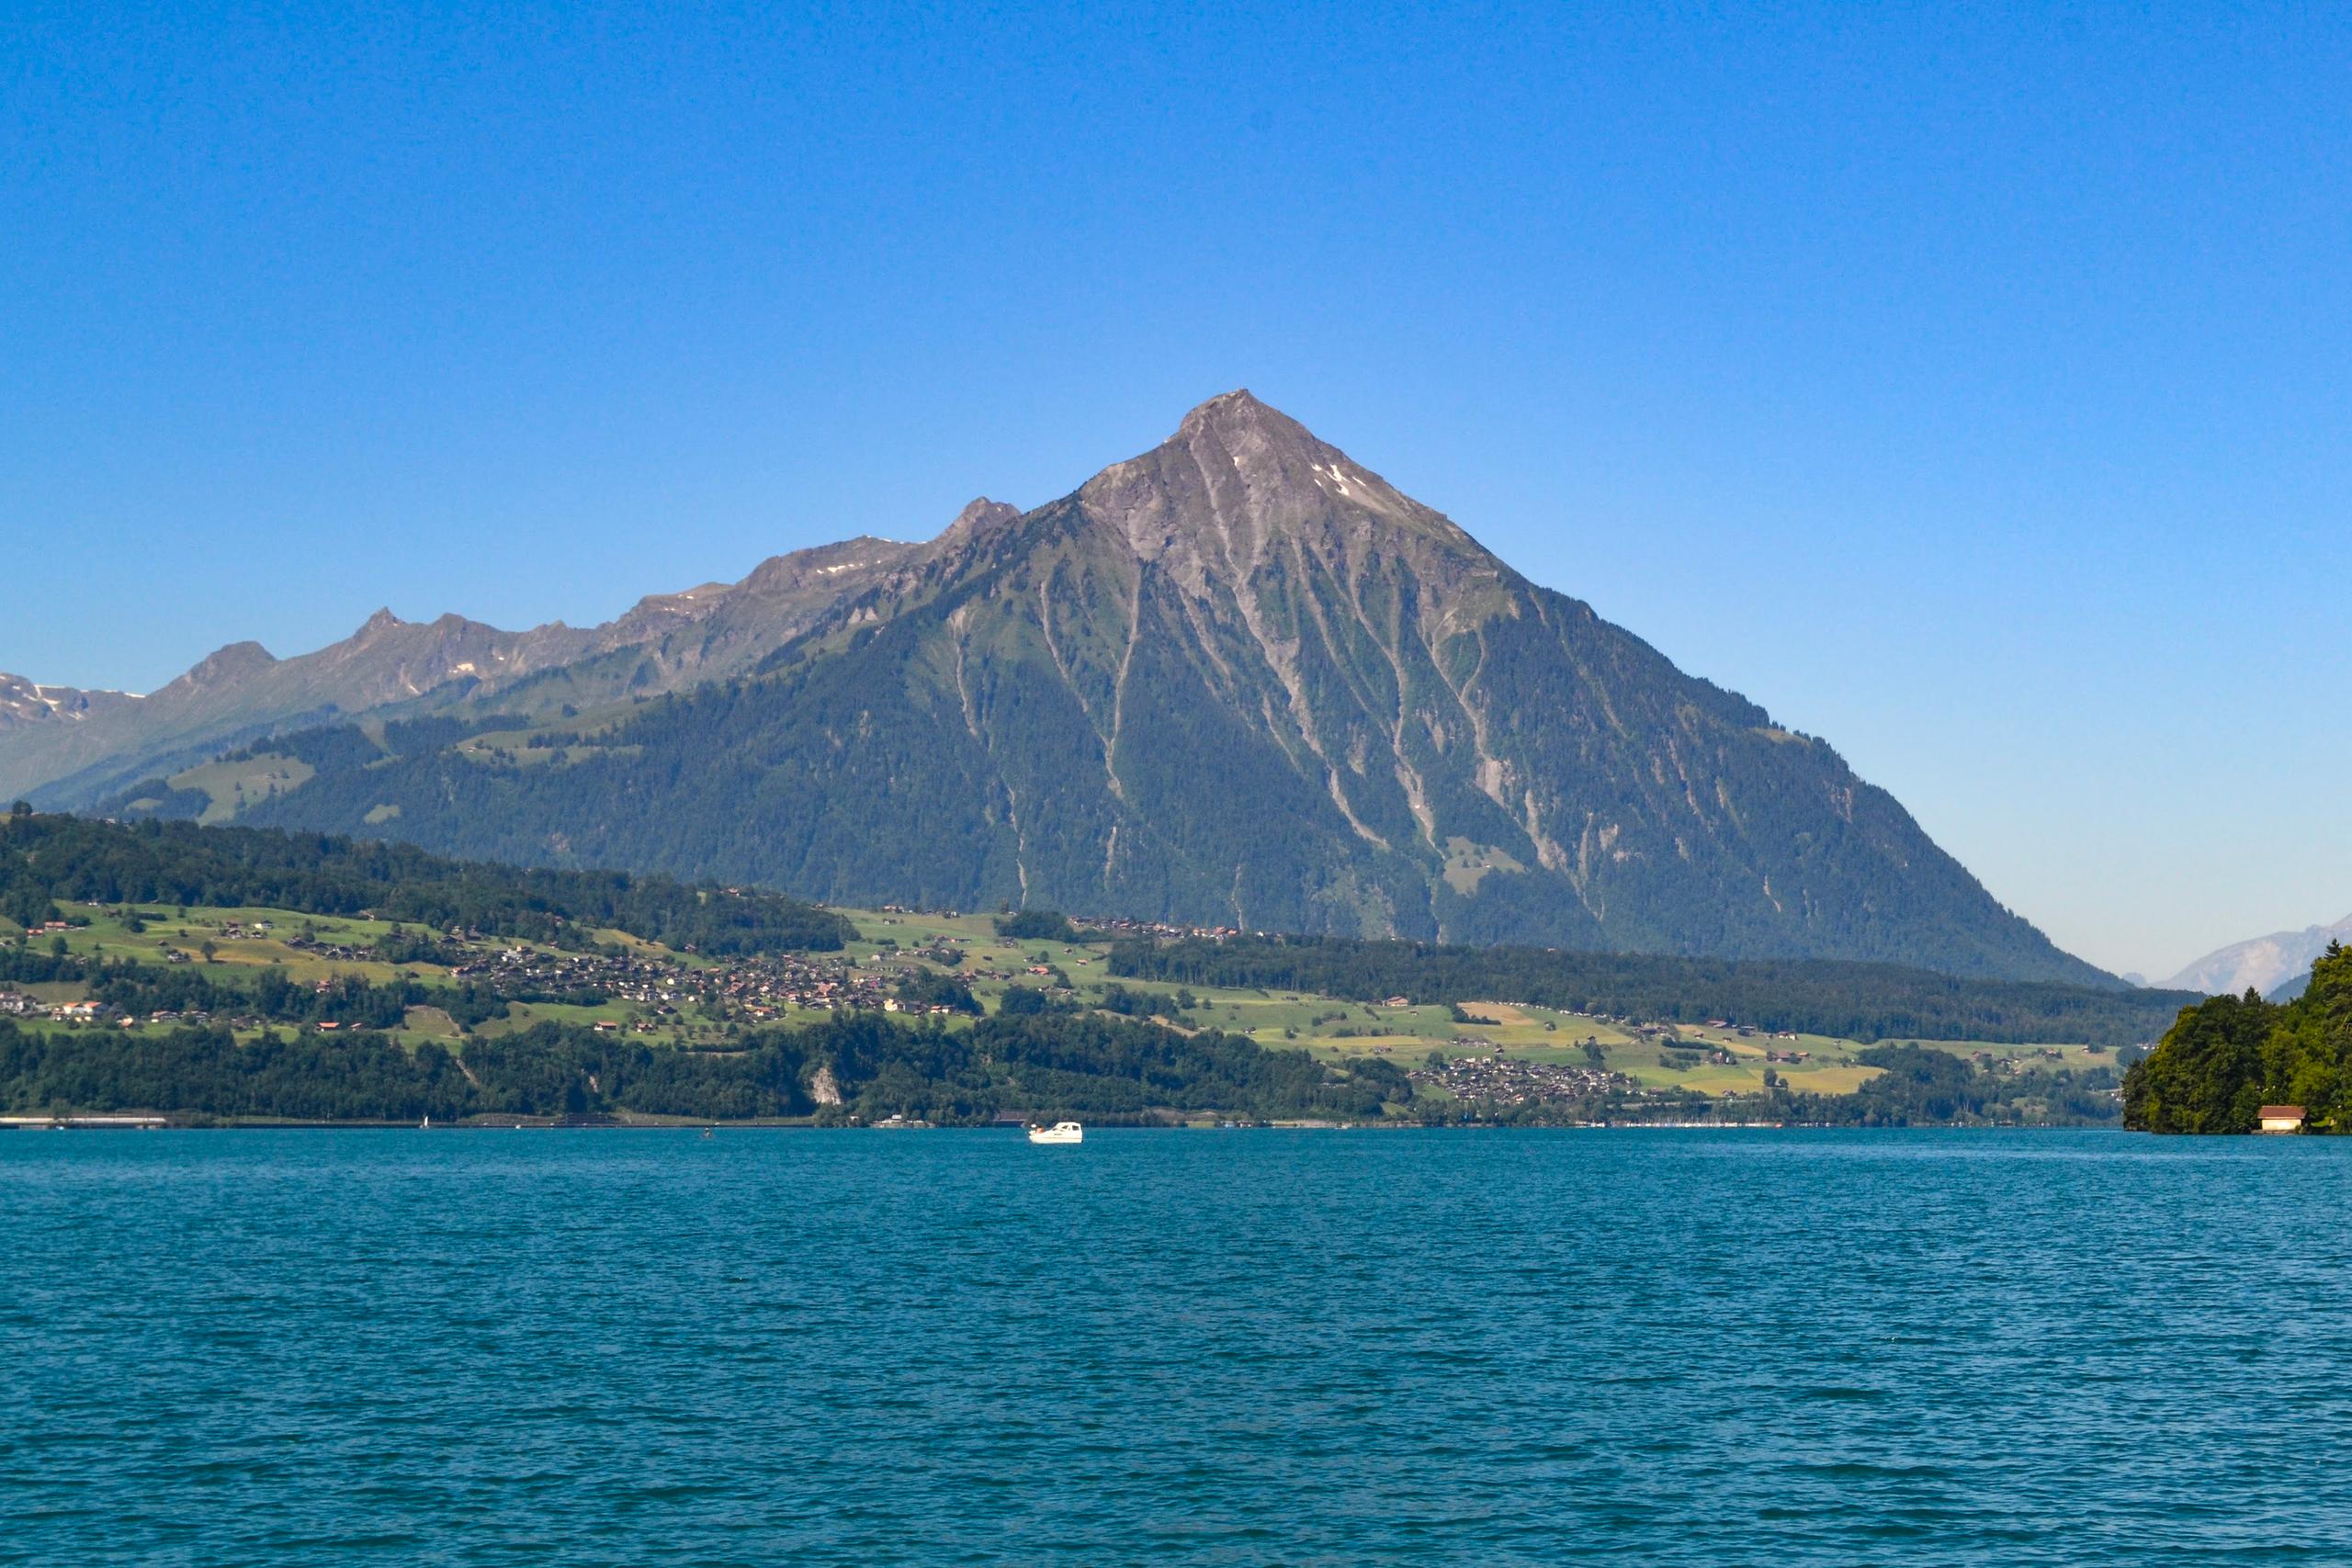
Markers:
point(2227, 1057)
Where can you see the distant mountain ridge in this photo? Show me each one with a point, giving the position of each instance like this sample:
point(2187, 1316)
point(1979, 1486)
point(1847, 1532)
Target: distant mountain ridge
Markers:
point(1238, 679)
point(241, 691)
point(26, 703)
point(2263, 963)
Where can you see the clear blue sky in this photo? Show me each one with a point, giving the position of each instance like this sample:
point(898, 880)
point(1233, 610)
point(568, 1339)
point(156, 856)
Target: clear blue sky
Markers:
point(1974, 390)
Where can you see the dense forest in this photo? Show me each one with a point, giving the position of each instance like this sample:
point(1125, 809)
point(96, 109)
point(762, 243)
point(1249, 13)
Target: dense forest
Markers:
point(1916, 1086)
point(867, 1067)
point(48, 861)
point(1853, 1001)
point(854, 1065)
point(1921, 1086)
point(1038, 925)
point(2227, 1057)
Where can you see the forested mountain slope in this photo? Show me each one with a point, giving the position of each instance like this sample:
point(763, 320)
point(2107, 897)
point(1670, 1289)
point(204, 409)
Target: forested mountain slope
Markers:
point(49, 865)
point(1239, 679)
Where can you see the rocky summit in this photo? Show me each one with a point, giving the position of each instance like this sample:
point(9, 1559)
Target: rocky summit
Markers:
point(1238, 680)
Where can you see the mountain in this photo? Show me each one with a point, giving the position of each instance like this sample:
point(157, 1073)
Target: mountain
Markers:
point(241, 691)
point(1239, 679)
point(26, 705)
point(2264, 963)
point(2286, 990)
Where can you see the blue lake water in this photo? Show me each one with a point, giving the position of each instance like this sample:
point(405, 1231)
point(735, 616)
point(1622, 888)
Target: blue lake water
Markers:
point(1234, 1347)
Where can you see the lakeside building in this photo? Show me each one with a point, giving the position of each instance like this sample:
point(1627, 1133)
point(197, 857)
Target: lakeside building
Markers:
point(2281, 1119)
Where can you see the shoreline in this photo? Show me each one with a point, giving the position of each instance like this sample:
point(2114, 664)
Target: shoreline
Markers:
point(70, 1123)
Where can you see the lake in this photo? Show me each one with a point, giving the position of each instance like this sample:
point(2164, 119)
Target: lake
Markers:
point(1657, 1347)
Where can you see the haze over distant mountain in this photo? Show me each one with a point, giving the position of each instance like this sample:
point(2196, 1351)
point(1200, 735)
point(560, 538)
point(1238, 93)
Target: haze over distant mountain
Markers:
point(2262, 963)
point(1239, 679)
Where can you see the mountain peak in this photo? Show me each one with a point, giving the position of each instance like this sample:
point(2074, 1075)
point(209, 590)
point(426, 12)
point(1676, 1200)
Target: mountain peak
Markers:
point(224, 665)
point(981, 513)
point(1241, 414)
point(381, 621)
point(1240, 479)
point(1270, 452)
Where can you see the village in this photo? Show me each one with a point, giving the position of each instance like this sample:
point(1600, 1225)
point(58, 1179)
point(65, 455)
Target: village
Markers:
point(1499, 1080)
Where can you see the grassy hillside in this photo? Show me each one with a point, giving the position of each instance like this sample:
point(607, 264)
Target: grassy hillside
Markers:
point(1863, 1001)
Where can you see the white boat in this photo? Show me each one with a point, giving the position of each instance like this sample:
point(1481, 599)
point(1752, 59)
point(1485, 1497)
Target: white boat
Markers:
point(1059, 1133)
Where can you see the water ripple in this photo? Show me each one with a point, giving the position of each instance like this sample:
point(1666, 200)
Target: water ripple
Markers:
point(1674, 1348)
